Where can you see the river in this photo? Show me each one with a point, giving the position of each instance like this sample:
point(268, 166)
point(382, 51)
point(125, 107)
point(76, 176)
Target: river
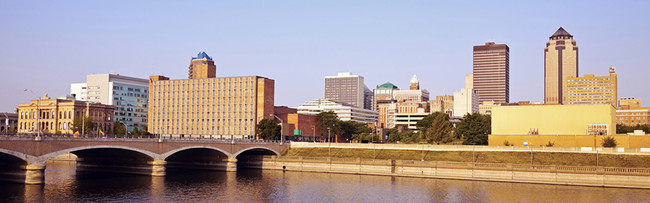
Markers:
point(63, 184)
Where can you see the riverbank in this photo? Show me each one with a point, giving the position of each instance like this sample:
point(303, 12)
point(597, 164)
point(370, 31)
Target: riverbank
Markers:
point(478, 154)
point(618, 167)
point(500, 172)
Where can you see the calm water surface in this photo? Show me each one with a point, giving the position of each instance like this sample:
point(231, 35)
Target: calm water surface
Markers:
point(63, 184)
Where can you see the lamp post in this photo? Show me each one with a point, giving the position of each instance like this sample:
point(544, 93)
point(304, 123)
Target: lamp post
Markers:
point(125, 130)
point(329, 144)
point(313, 128)
point(38, 117)
point(281, 128)
point(7, 123)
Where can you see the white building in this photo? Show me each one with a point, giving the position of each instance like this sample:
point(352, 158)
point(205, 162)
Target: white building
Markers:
point(344, 112)
point(466, 100)
point(129, 95)
point(409, 119)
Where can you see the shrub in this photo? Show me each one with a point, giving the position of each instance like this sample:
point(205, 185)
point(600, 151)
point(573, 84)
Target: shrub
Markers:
point(506, 143)
point(550, 144)
point(609, 142)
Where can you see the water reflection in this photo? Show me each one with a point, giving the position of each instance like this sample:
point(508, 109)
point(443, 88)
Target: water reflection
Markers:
point(63, 184)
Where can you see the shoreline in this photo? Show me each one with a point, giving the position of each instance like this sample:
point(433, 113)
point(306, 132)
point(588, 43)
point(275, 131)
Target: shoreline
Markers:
point(550, 175)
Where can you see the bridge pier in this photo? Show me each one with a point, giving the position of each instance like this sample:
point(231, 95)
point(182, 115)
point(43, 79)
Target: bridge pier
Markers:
point(231, 165)
point(35, 174)
point(158, 168)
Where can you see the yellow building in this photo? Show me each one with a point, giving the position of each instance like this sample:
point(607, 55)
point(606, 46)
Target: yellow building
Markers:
point(219, 107)
point(560, 62)
point(554, 120)
point(592, 89)
point(57, 115)
point(560, 125)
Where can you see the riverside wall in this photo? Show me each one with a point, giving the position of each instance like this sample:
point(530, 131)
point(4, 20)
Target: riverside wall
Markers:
point(501, 172)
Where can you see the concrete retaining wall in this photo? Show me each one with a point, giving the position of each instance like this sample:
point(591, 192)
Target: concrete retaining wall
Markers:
point(560, 175)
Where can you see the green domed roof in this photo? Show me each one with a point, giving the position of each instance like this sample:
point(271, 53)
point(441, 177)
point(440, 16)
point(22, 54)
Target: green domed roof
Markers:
point(387, 85)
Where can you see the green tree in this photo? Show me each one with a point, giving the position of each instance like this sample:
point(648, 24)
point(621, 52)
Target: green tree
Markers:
point(473, 129)
point(353, 130)
point(404, 136)
point(145, 130)
point(439, 131)
point(268, 129)
point(426, 122)
point(325, 120)
point(118, 128)
point(86, 123)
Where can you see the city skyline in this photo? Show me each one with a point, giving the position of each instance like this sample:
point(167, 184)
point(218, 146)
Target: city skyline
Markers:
point(297, 44)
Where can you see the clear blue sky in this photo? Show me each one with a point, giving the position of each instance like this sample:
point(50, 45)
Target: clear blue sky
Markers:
point(45, 46)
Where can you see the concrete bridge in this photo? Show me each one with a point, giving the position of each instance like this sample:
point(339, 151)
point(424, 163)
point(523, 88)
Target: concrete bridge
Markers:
point(22, 159)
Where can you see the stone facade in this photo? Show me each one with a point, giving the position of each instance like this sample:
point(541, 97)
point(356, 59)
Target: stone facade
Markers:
point(57, 115)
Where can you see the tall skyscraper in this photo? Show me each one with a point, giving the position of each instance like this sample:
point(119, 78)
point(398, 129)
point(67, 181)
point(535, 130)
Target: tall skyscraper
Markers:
point(492, 72)
point(202, 66)
point(345, 88)
point(560, 62)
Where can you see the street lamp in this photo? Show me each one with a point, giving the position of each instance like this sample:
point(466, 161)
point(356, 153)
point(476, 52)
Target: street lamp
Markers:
point(38, 117)
point(281, 128)
point(313, 128)
point(125, 129)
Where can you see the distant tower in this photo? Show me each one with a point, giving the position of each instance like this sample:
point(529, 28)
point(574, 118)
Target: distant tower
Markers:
point(415, 83)
point(202, 66)
point(491, 76)
point(560, 62)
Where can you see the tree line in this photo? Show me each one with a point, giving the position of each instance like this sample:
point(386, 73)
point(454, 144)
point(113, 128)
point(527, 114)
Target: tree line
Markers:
point(436, 128)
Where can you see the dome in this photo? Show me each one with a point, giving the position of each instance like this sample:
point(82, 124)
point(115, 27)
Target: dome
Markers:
point(387, 85)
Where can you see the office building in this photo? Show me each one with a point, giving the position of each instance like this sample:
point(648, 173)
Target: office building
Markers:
point(343, 111)
point(630, 102)
point(631, 113)
point(560, 62)
point(592, 89)
point(129, 96)
point(345, 88)
point(485, 108)
point(225, 107)
point(466, 100)
point(367, 98)
point(57, 115)
point(491, 73)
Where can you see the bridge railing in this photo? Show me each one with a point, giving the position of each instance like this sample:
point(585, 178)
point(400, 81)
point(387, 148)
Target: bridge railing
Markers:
point(135, 138)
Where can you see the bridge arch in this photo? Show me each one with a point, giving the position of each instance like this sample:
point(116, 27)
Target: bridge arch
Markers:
point(250, 149)
point(42, 159)
point(11, 162)
point(19, 155)
point(197, 158)
point(166, 155)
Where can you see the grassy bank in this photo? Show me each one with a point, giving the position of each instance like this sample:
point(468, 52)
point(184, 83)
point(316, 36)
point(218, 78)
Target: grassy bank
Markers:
point(538, 158)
